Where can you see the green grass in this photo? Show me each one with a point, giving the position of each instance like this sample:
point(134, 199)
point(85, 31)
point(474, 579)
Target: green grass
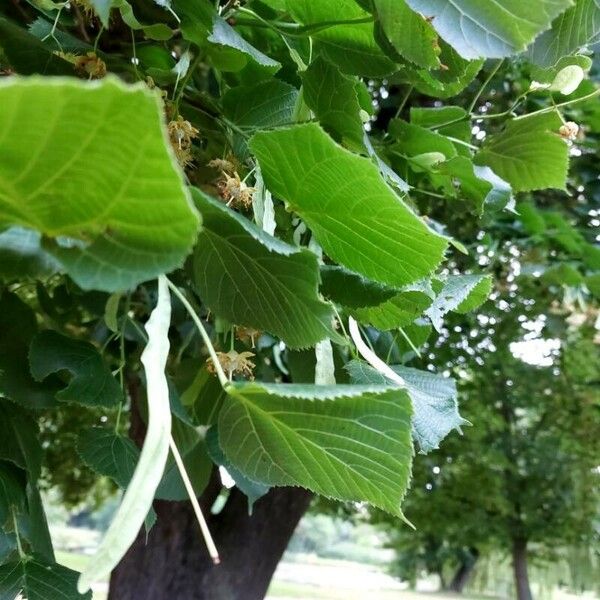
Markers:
point(286, 590)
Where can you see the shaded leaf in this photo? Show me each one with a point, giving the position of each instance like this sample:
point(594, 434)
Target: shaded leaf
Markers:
point(22, 255)
point(109, 454)
point(434, 399)
point(37, 579)
point(352, 47)
point(250, 278)
point(345, 442)
point(351, 289)
point(225, 35)
point(19, 442)
point(12, 491)
point(251, 489)
point(28, 55)
point(331, 95)
point(17, 327)
point(400, 310)
point(92, 382)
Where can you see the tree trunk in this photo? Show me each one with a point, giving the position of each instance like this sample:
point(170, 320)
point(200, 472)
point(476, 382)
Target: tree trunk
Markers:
point(520, 569)
point(173, 563)
point(464, 572)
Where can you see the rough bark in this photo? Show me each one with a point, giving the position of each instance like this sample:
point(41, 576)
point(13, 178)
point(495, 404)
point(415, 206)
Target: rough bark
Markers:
point(520, 569)
point(173, 563)
point(464, 572)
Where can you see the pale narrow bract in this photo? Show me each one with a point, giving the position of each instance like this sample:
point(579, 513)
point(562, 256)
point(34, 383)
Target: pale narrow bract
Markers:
point(370, 356)
point(324, 367)
point(149, 470)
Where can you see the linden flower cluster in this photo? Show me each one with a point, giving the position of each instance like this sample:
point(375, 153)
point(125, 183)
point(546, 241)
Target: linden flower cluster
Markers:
point(232, 189)
point(181, 134)
point(90, 65)
point(235, 192)
point(569, 131)
point(233, 363)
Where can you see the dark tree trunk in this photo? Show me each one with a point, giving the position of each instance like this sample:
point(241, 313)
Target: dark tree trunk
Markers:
point(464, 572)
point(173, 563)
point(520, 569)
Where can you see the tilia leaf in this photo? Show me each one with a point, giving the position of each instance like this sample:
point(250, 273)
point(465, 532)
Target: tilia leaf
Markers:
point(251, 278)
point(345, 442)
point(356, 217)
point(89, 166)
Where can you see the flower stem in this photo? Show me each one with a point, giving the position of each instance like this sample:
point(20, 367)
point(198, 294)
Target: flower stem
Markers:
point(205, 337)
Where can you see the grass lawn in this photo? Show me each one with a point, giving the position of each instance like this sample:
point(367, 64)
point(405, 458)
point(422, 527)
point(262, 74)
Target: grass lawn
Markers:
point(286, 590)
point(283, 590)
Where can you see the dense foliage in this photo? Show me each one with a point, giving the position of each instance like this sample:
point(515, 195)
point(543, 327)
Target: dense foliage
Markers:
point(301, 173)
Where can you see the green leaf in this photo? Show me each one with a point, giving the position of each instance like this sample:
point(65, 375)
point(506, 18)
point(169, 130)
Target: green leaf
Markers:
point(109, 454)
point(21, 255)
point(451, 79)
point(461, 293)
point(351, 289)
point(459, 124)
point(28, 55)
point(264, 105)
point(413, 140)
point(17, 328)
point(593, 284)
point(434, 399)
point(73, 166)
point(92, 382)
point(267, 104)
point(351, 46)
point(19, 442)
point(357, 219)
point(479, 185)
point(203, 396)
point(253, 491)
point(410, 33)
point(529, 154)
point(562, 274)
point(331, 95)
point(154, 31)
point(398, 311)
point(225, 35)
point(37, 579)
point(250, 278)
point(489, 29)
point(531, 218)
point(345, 442)
point(12, 491)
point(577, 27)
